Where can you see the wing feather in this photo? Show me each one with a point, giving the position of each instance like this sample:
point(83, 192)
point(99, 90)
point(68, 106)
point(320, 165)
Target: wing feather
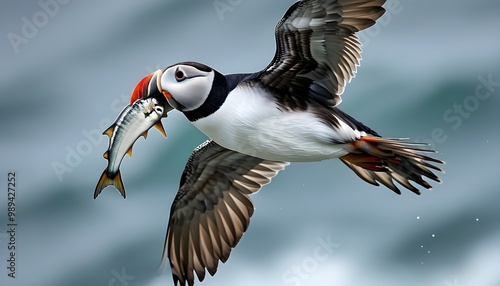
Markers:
point(212, 210)
point(317, 51)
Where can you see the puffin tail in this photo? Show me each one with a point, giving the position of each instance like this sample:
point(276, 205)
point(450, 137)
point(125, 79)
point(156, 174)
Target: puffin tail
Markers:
point(376, 159)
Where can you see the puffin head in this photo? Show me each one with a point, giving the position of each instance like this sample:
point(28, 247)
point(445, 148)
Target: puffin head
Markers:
point(187, 85)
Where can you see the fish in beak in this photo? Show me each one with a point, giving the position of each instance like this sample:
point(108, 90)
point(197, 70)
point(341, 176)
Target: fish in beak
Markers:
point(150, 87)
point(146, 109)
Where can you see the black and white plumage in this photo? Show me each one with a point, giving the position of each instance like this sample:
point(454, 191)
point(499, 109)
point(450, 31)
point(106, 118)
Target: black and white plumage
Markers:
point(258, 122)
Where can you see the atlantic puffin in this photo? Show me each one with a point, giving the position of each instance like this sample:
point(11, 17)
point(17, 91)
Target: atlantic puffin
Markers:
point(259, 122)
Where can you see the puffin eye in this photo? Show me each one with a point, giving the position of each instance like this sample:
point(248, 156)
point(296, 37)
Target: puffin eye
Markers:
point(179, 75)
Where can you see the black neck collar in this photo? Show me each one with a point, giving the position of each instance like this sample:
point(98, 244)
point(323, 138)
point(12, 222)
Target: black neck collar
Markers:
point(214, 101)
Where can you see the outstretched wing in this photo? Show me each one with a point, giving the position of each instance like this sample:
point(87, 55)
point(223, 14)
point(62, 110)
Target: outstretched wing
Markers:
point(212, 210)
point(317, 51)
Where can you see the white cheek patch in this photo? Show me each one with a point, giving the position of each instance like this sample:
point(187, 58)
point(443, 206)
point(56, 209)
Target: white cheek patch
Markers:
point(192, 92)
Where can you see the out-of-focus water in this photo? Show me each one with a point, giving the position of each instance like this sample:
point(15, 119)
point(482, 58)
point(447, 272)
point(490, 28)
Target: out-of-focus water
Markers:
point(430, 72)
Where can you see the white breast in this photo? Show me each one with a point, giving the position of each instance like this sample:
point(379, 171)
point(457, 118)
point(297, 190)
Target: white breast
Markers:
point(250, 122)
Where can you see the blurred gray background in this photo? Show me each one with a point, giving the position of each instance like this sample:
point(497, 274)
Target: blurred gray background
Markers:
point(430, 72)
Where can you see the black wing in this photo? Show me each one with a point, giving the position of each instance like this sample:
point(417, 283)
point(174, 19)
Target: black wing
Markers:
point(212, 209)
point(317, 51)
